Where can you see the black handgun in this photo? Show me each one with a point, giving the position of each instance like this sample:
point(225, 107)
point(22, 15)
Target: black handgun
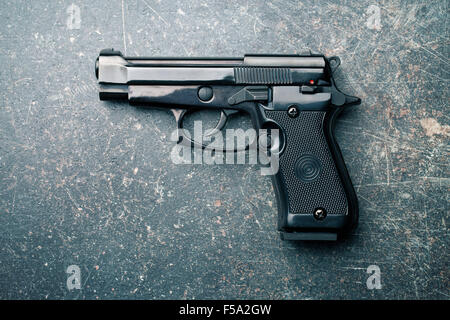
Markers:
point(295, 94)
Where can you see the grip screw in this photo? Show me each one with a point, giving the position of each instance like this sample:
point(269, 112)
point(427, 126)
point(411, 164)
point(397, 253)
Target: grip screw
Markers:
point(320, 214)
point(292, 111)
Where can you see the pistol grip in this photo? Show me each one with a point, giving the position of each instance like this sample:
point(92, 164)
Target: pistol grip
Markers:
point(316, 199)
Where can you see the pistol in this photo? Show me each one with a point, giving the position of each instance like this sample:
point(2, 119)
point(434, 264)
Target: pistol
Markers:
point(295, 94)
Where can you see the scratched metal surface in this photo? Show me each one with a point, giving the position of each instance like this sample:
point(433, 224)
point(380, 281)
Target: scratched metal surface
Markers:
point(88, 183)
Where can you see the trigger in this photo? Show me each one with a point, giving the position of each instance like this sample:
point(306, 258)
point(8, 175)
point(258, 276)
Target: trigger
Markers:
point(230, 112)
point(221, 123)
point(224, 114)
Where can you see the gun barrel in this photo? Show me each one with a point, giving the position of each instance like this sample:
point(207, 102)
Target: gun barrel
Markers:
point(114, 71)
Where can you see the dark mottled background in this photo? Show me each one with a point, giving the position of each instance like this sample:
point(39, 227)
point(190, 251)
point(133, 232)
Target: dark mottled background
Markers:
point(91, 183)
